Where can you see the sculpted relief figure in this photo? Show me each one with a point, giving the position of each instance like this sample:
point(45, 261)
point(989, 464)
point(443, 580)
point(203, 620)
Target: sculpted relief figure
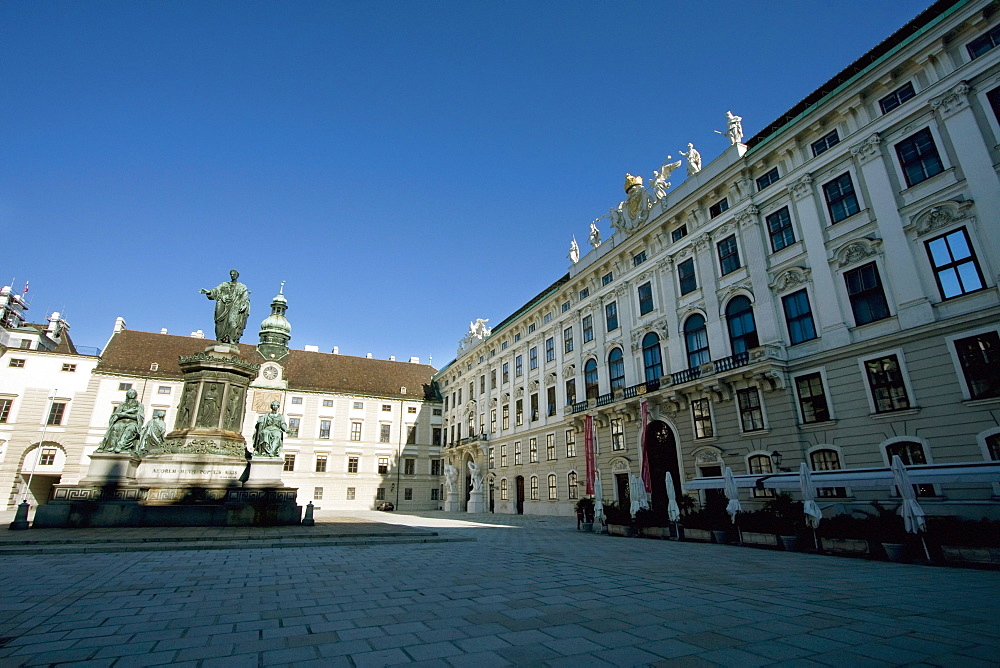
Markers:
point(232, 306)
point(124, 426)
point(475, 476)
point(693, 159)
point(269, 435)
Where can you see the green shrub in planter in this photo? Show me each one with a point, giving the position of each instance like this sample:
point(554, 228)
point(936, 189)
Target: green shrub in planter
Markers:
point(712, 517)
point(843, 527)
point(964, 533)
point(884, 525)
point(617, 515)
point(651, 518)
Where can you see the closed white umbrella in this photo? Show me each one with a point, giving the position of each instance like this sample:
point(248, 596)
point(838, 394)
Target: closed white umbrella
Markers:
point(733, 494)
point(637, 494)
point(812, 512)
point(598, 503)
point(909, 509)
point(673, 510)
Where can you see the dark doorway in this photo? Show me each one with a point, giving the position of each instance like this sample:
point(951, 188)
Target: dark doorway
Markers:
point(711, 472)
point(519, 483)
point(621, 484)
point(491, 496)
point(661, 449)
point(468, 488)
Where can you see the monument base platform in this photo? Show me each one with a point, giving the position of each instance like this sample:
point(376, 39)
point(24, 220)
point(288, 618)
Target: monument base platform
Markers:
point(118, 505)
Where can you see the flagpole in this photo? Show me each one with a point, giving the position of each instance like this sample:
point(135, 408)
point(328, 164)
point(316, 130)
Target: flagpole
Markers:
point(38, 454)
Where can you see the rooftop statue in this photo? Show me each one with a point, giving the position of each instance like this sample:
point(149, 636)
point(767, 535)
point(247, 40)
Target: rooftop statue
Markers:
point(270, 432)
point(634, 211)
point(660, 183)
point(693, 159)
point(595, 234)
point(232, 306)
point(734, 128)
point(574, 252)
point(124, 426)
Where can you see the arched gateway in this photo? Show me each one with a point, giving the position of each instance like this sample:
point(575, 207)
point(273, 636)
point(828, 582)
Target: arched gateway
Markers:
point(662, 451)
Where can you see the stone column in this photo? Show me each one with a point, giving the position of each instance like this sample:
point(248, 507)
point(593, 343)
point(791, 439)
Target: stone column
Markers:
point(912, 306)
point(672, 361)
point(709, 284)
point(973, 156)
point(824, 301)
point(755, 255)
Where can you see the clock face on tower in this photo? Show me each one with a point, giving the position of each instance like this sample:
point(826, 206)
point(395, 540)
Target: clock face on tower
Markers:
point(270, 372)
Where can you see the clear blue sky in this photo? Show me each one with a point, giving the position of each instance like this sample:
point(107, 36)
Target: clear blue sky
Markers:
point(406, 167)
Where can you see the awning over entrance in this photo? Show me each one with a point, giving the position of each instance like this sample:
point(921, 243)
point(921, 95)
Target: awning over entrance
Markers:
point(928, 474)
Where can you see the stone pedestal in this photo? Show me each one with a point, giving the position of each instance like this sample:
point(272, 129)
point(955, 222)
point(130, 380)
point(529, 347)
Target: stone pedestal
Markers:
point(265, 471)
point(111, 468)
point(451, 503)
point(476, 503)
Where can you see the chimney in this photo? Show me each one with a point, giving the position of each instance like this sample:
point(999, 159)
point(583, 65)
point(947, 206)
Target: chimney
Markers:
point(311, 349)
point(120, 324)
point(368, 356)
point(198, 335)
point(163, 330)
point(414, 360)
point(336, 350)
point(392, 358)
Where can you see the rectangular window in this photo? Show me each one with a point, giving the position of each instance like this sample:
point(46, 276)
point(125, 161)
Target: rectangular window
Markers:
point(47, 457)
point(533, 358)
point(317, 493)
point(550, 349)
point(352, 464)
point(812, 398)
point(532, 450)
point(767, 179)
point(978, 355)
point(493, 379)
point(584, 293)
point(779, 229)
point(411, 435)
point(534, 488)
point(827, 460)
point(534, 406)
point(678, 233)
point(611, 316)
point(297, 400)
point(565, 306)
point(409, 466)
point(436, 436)
point(17, 363)
point(729, 255)
point(751, 416)
point(324, 429)
point(320, 463)
point(550, 447)
point(864, 289)
point(359, 405)
point(386, 408)
point(588, 328)
point(517, 453)
point(885, 379)
point(607, 278)
point(570, 443)
point(350, 493)
point(718, 208)
point(518, 412)
point(383, 465)
point(550, 401)
point(918, 156)
point(122, 387)
point(568, 340)
point(617, 434)
point(823, 144)
point(355, 431)
point(981, 45)
point(686, 277)
point(482, 384)
point(503, 455)
point(491, 458)
point(547, 318)
point(162, 389)
point(505, 422)
point(571, 391)
point(328, 403)
point(380, 494)
point(518, 366)
point(645, 298)
point(896, 97)
point(435, 494)
point(638, 258)
point(56, 412)
point(701, 411)
point(841, 200)
point(71, 368)
point(493, 420)
point(954, 262)
point(571, 483)
point(383, 432)
point(289, 464)
point(411, 409)
point(531, 328)
point(553, 492)
point(5, 405)
point(798, 317)
point(407, 493)
point(505, 376)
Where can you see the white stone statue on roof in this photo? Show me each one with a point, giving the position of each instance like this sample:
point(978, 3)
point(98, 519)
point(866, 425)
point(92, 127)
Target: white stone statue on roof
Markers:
point(660, 183)
point(734, 128)
point(693, 159)
point(574, 251)
point(595, 234)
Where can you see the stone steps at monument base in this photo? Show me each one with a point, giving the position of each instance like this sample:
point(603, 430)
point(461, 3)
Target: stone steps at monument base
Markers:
point(222, 544)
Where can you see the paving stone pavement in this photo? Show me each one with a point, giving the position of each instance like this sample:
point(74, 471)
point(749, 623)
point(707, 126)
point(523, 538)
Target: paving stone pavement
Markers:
point(526, 591)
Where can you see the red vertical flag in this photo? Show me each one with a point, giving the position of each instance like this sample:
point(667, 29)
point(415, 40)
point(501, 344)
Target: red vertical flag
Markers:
point(647, 480)
point(588, 450)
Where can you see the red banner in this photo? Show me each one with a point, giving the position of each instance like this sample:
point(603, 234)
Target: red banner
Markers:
point(647, 481)
point(588, 450)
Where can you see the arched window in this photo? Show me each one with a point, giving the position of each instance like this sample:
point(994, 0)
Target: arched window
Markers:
point(912, 453)
point(590, 379)
point(827, 459)
point(553, 491)
point(616, 369)
point(503, 489)
point(696, 340)
point(534, 488)
point(742, 328)
point(651, 359)
point(571, 483)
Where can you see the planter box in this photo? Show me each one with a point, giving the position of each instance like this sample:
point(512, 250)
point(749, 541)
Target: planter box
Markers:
point(972, 555)
point(587, 526)
point(657, 532)
point(621, 530)
point(895, 551)
point(722, 537)
point(764, 539)
point(698, 534)
point(848, 546)
point(790, 543)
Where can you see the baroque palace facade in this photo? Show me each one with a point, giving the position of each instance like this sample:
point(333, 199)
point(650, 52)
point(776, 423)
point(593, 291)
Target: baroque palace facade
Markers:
point(361, 431)
point(824, 292)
